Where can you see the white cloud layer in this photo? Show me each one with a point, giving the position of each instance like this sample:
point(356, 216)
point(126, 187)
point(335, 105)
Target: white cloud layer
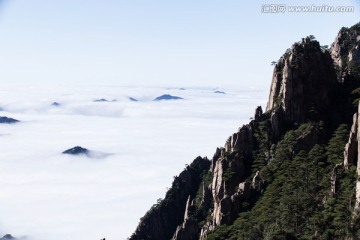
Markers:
point(49, 195)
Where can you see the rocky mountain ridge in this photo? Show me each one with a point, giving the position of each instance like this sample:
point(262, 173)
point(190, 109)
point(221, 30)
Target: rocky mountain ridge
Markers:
point(313, 95)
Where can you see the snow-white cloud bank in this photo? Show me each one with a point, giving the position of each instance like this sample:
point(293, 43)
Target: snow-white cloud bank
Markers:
point(50, 195)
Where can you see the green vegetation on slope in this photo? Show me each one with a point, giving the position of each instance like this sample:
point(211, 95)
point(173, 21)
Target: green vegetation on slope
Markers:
point(297, 202)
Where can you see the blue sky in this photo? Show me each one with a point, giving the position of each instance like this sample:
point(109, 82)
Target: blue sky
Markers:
point(160, 43)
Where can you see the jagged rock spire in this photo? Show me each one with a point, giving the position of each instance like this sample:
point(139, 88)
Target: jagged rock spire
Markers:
point(303, 81)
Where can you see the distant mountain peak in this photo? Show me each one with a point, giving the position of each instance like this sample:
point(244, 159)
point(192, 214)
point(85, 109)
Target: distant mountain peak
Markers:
point(8, 120)
point(77, 151)
point(104, 100)
point(55, 104)
point(167, 97)
point(133, 99)
point(8, 237)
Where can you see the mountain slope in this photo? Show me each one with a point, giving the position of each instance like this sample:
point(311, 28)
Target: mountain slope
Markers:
point(284, 175)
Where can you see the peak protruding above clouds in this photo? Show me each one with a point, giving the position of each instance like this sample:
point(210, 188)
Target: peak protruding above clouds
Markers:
point(117, 136)
point(167, 97)
point(80, 151)
point(104, 100)
point(133, 99)
point(219, 92)
point(7, 120)
point(8, 237)
point(76, 151)
point(55, 104)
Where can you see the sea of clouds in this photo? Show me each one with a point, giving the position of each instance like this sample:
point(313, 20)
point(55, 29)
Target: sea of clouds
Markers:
point(138, 147)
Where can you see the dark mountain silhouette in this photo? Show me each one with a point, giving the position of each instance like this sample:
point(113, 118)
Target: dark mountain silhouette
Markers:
point(7, 120)
point(77, 151)
point(167, 97)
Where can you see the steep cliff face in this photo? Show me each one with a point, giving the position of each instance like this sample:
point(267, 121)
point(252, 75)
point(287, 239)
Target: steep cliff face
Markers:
point(161, 221)
point(351, 154)
point(351, 147)
point(289, 173)
point(303, 82)
point(229, 169)
point(189, 228)
point(345, 51)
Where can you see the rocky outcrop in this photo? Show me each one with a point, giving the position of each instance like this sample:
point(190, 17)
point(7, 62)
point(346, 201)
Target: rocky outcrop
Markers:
point(351, 148)
point(240, 141)
point(230, 206)
point(303, 83)
point(162, 221)
point(308, 138)
point(230, 169)
point(334, 178)
point(189, 229)
point(357, 142)
point(206, 195)
point(257, 183)
point(351, 155)
point(278, 122)
point(258, 113)
point(345, 51)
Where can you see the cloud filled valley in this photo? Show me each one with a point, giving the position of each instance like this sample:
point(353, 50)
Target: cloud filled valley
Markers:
point(137, 147)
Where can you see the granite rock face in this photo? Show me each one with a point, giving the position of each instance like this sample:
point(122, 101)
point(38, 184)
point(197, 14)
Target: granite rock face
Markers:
point(303, 82)
point(189, 229)
point(351, 153)
point(352, 156)
point(230, 168)
point(162, 221)
point(345, 51)
point(351, 148)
